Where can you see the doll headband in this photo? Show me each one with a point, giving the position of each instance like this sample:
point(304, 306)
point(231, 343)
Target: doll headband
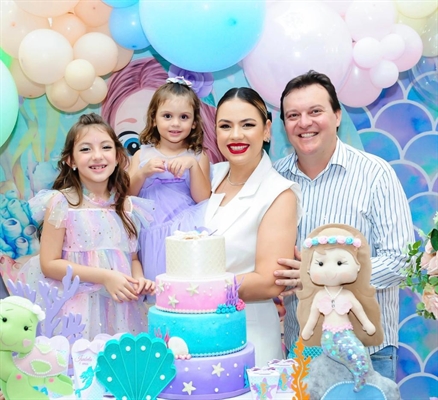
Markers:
point(180, 80)
point(309, 242)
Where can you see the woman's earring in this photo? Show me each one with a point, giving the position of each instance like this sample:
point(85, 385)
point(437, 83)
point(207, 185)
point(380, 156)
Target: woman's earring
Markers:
point(74, 168)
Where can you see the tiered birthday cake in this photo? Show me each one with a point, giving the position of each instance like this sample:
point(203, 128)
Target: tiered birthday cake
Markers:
point(199, 315)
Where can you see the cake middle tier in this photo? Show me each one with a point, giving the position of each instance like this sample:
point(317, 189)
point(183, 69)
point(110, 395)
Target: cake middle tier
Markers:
point(204, 334)
point(200, 295)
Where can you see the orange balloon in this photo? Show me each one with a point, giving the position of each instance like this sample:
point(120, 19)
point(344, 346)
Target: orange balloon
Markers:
point(93, 12)
point(96, 93)
point(79, 105)
point(47, 8)
point(25, 87)
point(15, 24)
point(70, 26)
point(61, 95)
point(124, 57)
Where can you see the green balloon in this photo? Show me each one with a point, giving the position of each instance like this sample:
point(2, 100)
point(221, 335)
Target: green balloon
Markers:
point(8, 103)
point(5, 58)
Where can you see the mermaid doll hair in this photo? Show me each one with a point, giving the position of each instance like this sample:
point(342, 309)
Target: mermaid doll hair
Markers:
point(361, 287)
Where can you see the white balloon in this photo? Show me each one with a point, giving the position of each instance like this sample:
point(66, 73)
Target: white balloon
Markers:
point(367, 52)
point(393, 46)
point(384, 74)
point(80, 74)
point(297, 37)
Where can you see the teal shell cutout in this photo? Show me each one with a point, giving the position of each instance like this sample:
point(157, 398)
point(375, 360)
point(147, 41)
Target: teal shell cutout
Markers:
point(134, 368)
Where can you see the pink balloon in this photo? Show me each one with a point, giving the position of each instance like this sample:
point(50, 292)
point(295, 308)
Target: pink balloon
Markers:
point(123, 58)
point(47, 8)
point(413, 47)
point(340, 7)
point(44, 55)
point(297, 37)
point(93, 12)
point(370, 18)
point(98, 49)
point(367, 52)
point(358, 90)
point(70, 26)
point(15, 24)
point(393, 46)
point(25, 87)
point(384, 74)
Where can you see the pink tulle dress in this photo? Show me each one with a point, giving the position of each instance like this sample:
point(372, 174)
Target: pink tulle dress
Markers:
point(174, 210)
point(94, 236)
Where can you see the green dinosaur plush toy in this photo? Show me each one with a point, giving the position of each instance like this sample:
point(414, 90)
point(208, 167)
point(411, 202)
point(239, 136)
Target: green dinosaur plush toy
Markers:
point(35, 365)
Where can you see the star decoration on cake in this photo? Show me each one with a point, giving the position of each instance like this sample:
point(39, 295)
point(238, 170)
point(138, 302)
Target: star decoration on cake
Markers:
point(193, 289)
point(173, 301)
point(217, 369)
point(188, 387)
point(160, 287)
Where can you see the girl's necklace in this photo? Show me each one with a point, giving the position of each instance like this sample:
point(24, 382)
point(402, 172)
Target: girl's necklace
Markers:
point(333, 297)
point(232, 183)
point(98, 200)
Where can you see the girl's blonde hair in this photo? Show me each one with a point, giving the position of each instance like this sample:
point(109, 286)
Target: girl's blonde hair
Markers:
point(361, 287)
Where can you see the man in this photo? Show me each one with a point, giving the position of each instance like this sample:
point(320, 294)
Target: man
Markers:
point(341, 184)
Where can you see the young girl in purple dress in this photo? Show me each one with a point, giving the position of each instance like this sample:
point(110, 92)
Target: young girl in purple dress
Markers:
point(170, 168)
point(91, 224)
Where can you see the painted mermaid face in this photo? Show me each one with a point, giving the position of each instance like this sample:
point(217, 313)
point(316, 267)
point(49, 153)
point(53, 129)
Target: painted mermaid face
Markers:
point(334, 267)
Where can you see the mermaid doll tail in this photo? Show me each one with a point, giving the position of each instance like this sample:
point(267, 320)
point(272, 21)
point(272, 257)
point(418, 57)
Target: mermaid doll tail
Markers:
point(342, 345)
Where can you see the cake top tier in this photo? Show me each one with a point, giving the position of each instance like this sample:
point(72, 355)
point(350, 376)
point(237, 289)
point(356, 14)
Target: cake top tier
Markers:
point(195, 255)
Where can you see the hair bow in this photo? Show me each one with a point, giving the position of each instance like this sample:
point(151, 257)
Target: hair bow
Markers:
point(180, 80)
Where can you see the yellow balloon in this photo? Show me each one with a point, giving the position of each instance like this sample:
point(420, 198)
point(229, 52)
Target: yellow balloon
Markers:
point(429, 36)
point(416, 8)
point(80, 74)
point(417, 24)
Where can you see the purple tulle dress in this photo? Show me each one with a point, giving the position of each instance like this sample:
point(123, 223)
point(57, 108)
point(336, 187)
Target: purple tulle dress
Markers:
point(174, 210)
point(94, 236)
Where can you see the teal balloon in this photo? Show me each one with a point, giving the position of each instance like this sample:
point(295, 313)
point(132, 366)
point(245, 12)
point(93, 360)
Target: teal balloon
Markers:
point(119, 3)
point(8, 103)
point(5, 58)
point(203, 36)
point(125, 28)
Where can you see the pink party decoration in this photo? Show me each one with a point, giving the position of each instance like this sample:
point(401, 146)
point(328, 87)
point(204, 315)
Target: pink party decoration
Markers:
point(25, 86)
point(96, 93)
point(358, 90)
point(413, 47)
point(93, 12)
point(384, 74)
point(61, 95)
point(70, 26)
point(393, 46)
point(47, 8)
point(367, 52)
point(370, 18)
point(298, 36)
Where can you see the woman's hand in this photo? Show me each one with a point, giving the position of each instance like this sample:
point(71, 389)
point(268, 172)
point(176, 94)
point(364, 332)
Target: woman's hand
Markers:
point(289, 277)
point(144, 286)
point(179, 165)
point(120, 286)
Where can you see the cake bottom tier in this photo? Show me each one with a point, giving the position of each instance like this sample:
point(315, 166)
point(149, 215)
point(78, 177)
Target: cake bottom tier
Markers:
point(211, 378)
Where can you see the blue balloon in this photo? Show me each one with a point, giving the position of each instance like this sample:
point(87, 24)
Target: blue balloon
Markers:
point(120, 3)
point(126, 30)
point(203, 35)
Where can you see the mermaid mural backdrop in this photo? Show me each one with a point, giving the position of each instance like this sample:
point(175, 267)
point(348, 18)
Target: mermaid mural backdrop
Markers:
point(62, 58)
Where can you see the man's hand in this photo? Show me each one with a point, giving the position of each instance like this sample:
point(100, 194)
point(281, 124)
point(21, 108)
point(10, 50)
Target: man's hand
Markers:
point(289, 277)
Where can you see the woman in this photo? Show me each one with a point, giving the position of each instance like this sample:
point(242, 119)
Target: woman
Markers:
point(256, 210)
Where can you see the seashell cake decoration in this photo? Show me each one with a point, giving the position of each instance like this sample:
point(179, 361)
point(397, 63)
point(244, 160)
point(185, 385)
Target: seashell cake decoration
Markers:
point(135, 367)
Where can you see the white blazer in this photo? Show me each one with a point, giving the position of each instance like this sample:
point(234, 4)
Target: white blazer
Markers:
point(238, 222)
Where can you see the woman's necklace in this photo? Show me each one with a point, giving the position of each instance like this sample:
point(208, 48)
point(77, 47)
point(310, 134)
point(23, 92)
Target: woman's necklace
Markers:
point(98, 200)
point(333, 297)
point(231, 183)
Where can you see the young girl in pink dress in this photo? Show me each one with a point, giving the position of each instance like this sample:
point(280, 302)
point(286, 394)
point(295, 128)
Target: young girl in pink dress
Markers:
point(170, 168)
point(91, 224)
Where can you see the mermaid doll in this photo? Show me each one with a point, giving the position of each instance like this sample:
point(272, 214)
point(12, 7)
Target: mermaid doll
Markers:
point(337, 307)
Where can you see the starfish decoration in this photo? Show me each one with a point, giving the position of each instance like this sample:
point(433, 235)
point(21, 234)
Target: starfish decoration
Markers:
point(188, 387)
point(193, 289)
point(173, 301)
point(217, 369)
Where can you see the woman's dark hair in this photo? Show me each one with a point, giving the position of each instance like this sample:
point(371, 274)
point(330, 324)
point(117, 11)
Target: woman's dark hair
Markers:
point(249, 96)
point(308, 79)
point(119, 179)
